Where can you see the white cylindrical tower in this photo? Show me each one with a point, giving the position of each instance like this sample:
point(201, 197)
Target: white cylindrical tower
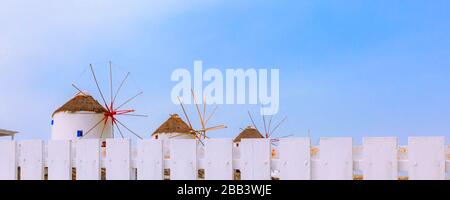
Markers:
point(77, 117)
point(249, 132)
point(173, 128)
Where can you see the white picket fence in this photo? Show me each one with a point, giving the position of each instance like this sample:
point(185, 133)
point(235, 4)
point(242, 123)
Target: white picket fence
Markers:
point(337, 158)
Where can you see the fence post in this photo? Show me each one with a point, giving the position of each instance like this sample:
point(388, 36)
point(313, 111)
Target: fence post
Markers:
point(380, 156)
point(150, 160)
point(8, 163)
point(255, 155)
point(32, 165)
point(295, 159)
point(59, 160)
point(118, 159)
point(426, 157)
point(336, 159)
point(183, 159)
point(219, 161)
point(88, 159)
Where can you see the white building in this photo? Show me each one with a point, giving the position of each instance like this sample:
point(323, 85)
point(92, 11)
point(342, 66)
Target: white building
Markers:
point(248, 133)
point(77, 117)
point(173, 128)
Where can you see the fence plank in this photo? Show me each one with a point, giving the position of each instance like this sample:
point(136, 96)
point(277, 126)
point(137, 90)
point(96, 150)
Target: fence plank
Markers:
point(118, 159)
point(336, 159)
point(380, 158)
point(426, 158)
point(88, 159)
point(150, 160)
point(295, 159)
point(59, 160)
point(183, 154)
point(8, 163)
point(255, 154)
point(166, 148)
point(32, 165)
point(219, 163)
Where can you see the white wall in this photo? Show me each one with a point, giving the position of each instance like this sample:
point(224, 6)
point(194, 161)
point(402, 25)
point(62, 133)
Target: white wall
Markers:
point(166, 137)
point(66, 125)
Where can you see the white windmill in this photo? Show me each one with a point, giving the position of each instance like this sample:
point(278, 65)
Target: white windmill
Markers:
point(85, 117)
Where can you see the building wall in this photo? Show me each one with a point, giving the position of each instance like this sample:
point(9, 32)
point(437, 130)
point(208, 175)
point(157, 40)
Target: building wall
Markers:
point(164, 136)
point(66, 125)
point(166, 140)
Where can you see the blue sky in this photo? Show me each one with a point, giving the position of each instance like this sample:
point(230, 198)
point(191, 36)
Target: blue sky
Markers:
point(347, 68)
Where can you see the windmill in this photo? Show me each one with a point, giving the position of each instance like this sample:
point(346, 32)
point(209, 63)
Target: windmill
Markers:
point(111, 111)
point(268, 132)
point(200, 134)
point(254, 132)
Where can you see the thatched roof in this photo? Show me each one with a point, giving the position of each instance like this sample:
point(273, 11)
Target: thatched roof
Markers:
point(249, 132)
point(82, 102)
point(4, 132)
point(173, 125)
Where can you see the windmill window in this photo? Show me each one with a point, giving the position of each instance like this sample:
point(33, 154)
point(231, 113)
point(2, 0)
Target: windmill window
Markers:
point(53, 122)
point(79, 133)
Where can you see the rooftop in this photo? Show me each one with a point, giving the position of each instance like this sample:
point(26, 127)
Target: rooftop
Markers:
point(4, 132)
point(81, 102)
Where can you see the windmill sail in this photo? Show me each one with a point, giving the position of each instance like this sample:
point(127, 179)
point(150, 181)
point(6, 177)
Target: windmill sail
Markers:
point(111, 113)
